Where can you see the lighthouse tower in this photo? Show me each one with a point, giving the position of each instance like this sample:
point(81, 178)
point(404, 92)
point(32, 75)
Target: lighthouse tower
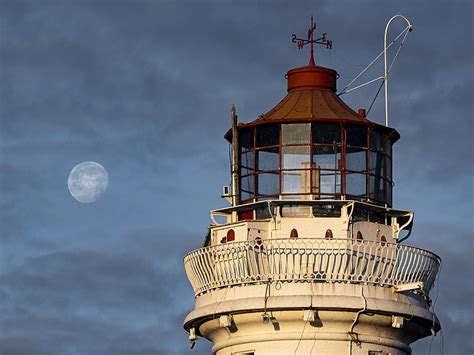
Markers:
point(309, 258)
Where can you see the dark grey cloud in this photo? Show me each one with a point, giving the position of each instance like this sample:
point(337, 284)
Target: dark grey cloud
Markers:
point(125, 301)
point(144, 87)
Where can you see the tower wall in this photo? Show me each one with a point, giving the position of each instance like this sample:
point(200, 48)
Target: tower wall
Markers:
point(325, 318)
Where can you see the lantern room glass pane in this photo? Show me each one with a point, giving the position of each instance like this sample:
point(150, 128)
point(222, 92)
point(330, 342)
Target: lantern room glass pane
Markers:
point(326, 157)
point(246, 139)
point(377, 141)
point(267, 136)
point(268, 184)
point(268, 159)
point(356, 184)
point(246, 163)
point(356, 136)
point(292, 182)
point(247, 187)
point(356, 159)
point(296, 133)
point(296, 157)
point(326, 133)
point(329, 182)
point(377, 188)
point(376, 163)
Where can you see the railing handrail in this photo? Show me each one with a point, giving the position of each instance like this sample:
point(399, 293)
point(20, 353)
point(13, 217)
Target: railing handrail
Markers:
point(311, 239)
point(310, 259)
point(301, 202)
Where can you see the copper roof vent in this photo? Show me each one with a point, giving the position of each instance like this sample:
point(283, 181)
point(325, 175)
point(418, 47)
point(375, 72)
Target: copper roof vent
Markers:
point(311, 77)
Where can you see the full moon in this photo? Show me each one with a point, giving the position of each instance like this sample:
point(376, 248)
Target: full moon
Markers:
point(87, 181)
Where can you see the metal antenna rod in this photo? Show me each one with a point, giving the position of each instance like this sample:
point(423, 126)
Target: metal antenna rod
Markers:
point(235, 159)
point(410, 28)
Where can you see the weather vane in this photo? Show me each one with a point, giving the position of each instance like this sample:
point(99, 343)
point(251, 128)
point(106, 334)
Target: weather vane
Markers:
point(301, 42)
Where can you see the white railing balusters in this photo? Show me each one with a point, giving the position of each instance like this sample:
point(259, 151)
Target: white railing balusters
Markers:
point(310, 260)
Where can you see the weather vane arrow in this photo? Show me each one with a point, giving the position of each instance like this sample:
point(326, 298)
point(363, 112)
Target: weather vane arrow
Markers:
point(301, 42)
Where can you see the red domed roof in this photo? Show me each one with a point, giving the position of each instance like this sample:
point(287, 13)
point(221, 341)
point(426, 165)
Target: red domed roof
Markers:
point(311, 95)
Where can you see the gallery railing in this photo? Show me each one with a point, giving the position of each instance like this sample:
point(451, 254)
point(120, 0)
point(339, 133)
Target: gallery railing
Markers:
point(311, 260)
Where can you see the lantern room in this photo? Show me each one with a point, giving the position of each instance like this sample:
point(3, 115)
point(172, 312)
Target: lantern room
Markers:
point(312, 146)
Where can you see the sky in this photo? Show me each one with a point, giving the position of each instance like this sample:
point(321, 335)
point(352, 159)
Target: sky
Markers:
point(145, 89)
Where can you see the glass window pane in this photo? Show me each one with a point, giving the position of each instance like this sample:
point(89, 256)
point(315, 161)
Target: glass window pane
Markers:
point(356, 184)
point(326, 133)
point(377, 188)
point(292, 182)
point(356, 136)
point(377, 217)
point(267, 184)
point(329, 182)
point(327, 157)
point(326, 211)
point(296, 133)
point(296, 211)
point(376, 141)
point(296, 157)
point(246, 163)
point(360, 214)
point(268, 159)
point(376, 163)
point(265, 212)
point(247, 183)
point(244, 195)
point(267, 136)
point(356, 159)
point(246, 139)
point(298, 182)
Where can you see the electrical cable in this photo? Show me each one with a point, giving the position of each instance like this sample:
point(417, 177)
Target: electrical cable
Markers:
point(433, 310)
point(353, 336)
point(301, 337)
point(267, 296)
point(219, 303)
point(315, 334)
point(306, 322)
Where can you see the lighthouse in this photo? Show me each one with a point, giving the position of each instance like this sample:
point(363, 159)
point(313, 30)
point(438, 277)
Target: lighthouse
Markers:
point(310, 256)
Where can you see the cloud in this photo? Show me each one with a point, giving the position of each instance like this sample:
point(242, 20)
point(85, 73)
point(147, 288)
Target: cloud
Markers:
point(84, 302)
point(144, 88)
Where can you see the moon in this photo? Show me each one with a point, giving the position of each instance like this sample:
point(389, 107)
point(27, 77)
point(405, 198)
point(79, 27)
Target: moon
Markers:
point(87, 181)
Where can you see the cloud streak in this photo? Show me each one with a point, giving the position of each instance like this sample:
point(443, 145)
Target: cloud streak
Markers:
point(144, 88)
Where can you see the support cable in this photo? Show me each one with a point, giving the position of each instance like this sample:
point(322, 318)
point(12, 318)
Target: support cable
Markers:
point(344, 91)
point(375, 97)
point(398, 50)
point(388, 71)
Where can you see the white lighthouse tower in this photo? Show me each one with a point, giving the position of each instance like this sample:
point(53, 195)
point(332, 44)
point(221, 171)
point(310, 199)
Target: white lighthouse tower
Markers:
point(309, 259)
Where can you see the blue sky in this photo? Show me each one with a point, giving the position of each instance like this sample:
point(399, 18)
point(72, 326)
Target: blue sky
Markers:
point(145, 88)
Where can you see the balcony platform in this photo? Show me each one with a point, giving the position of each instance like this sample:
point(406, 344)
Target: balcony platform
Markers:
point(310, 260)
